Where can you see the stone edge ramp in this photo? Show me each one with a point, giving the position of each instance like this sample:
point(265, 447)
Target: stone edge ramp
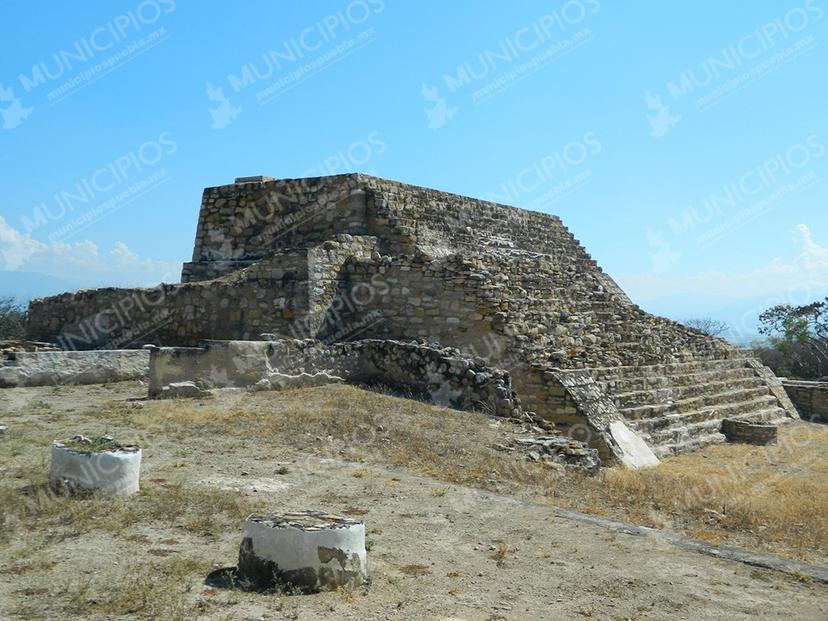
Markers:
point(730, 553)
point(723, 552)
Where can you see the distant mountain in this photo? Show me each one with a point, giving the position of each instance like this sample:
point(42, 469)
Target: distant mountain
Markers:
point(28, 285)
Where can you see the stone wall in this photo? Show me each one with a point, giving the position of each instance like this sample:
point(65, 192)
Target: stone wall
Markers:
point(775, 386)
point(72, 367)
point(273, 294)
point(504, 283)
point(442, 300)
point(512, 307)
point(749, 433)
point(574, 403)
point(439, 375)
point(810, 399)
point(247, 221)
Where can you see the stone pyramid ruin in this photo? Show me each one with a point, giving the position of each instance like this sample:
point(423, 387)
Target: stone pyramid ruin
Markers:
point(365, 265)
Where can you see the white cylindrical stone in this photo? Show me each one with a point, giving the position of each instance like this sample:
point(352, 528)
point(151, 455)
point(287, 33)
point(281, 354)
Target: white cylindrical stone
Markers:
point(113, 472)
point(307, 551)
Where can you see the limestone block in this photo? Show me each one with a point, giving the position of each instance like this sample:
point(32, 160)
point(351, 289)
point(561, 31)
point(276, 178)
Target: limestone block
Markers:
point(281, 381)
point(45, 368)
point(114, 471)
point(748, 432)
point(634, 451)
point(182, 390)
point(308, 551)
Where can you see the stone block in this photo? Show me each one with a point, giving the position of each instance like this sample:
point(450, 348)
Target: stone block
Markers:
point(748, 432)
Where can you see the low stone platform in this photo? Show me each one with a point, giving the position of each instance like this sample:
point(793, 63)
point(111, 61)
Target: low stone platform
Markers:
point(810, 399)
point(749, 432)
point(50, 368)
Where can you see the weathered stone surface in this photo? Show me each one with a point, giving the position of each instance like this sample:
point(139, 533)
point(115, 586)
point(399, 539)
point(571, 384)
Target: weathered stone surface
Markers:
point(306, 551)
point(560, 450)
point(775, 386)
point(352, 257)
point(810, 399)
point(748, 432)
point(114, 470)
point(254, 179)
point(634, 453)
point(47, 368)
point(281, 381)
point(181, 390)
point(439, 375)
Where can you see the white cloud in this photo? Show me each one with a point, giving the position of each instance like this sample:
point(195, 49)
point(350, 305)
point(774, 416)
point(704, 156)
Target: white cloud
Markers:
point(16, 248)
point(806, 271)
point(81, 261)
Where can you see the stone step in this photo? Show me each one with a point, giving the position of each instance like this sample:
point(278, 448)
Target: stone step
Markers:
point(681, 368)
point(726, 404)
point(679, 406)
point(676, 393)
point(716, 396)
point(663, 380)
point(757, 408)
point(684, 433)
point(694, 444)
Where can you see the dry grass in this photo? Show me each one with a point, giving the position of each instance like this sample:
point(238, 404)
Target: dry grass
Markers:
point(415, 570)
point(770, 495)
point(773, 498)
point(198, 510)
point(37, 519)
point(770, 498)
point(501, 553)
point(156, 591)
point(349, 423)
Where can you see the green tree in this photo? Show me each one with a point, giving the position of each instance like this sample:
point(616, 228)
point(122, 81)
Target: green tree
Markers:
point(12, 318)
point(798, 336)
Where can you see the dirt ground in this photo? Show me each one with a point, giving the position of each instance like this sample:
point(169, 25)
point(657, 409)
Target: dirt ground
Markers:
point(452, 534)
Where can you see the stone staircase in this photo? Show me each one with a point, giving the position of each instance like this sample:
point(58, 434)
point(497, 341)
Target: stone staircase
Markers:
point(680, 407)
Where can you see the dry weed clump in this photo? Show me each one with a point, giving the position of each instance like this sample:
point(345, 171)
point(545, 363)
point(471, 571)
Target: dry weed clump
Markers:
point(775, 494)
point(200, 510)
point(415, 570)
point(157, 591)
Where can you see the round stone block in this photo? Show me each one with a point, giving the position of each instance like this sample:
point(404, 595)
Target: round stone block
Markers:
point(307, 551)
point(115, 470)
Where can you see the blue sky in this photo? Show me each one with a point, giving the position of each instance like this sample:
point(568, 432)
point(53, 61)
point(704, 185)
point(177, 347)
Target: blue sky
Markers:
point(683, 143)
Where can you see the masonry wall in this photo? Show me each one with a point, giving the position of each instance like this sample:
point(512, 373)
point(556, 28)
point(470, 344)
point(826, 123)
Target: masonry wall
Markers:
point(571, 402)
point(273, 295)
point(51, 368)
point(513, 309)
point(240, 223)
point(353, 256)
point(439, 375)
point(810, 399)
point(243, 222)
point(410, 297)
point(749, 433)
